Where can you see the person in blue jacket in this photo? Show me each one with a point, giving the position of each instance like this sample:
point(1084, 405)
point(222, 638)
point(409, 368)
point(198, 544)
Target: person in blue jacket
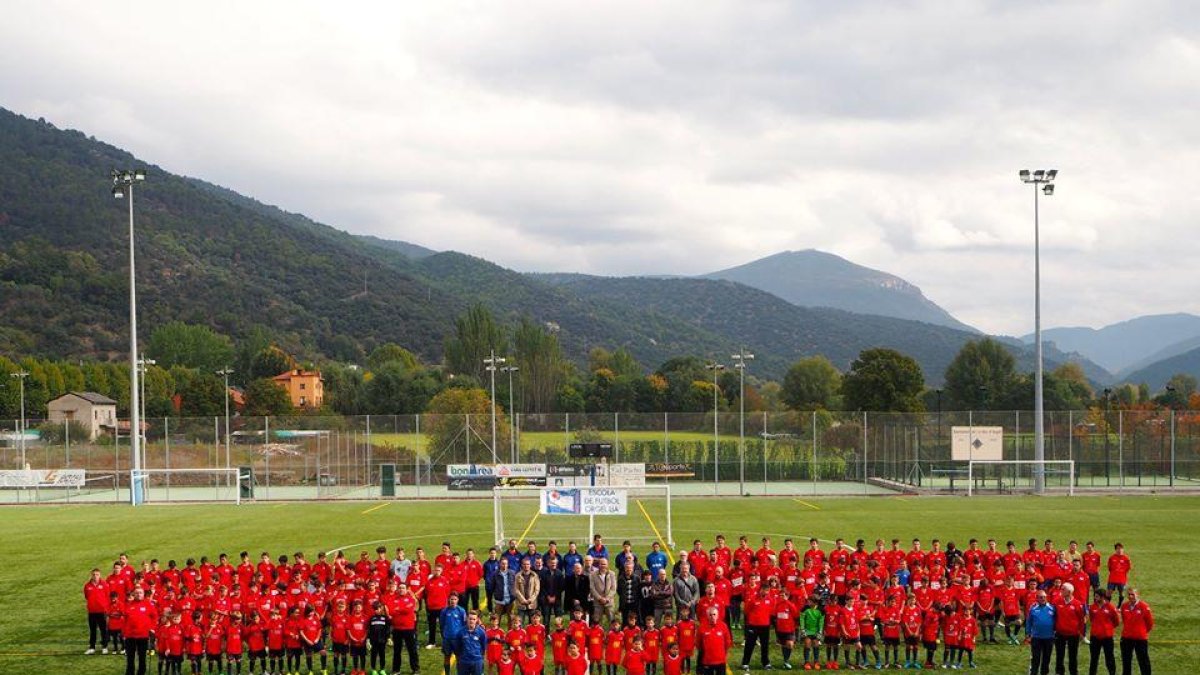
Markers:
point(655, 560)
point(471, 646)
point(571, 557)
point(453, 622)
point(1039, 630)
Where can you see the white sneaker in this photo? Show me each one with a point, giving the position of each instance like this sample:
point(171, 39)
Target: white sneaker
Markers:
point(90, 651)
point(104, 651)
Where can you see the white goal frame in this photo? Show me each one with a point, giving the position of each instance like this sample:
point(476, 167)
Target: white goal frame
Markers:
point(1068, 463)
point(535, 493)
point(233, 480)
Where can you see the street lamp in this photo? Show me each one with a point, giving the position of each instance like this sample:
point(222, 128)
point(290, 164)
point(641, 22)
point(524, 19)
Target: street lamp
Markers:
point(492, 363)
point(740, 359)
point(225, 373)
point(512, 415)
point(1042, 181)
point(21, 375)
point(1107, 451)
point(123, 182)
point(716, 369)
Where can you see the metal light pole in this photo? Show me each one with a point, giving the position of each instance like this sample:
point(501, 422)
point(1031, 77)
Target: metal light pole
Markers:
point(21, 375)
point(144, 368)
point(1043, 182)
point(512, 418)
point(226, 372)
point(492, 363)
point(123, 186)
point(716, 368)
point(740, 360)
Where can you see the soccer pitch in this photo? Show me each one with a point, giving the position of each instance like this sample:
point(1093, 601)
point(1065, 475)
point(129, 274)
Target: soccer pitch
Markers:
point(52, 548)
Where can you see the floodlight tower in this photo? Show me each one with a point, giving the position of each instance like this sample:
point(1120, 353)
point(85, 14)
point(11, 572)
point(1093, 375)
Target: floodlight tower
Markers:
point(123, 182)
point(1042, 181)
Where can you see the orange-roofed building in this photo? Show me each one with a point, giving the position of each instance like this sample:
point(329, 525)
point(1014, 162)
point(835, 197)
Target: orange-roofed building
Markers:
point(305, 387)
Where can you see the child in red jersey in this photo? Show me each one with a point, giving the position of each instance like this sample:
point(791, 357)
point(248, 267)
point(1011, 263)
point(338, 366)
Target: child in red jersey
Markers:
point(687, 637)
point(558, 646)
point(786, 614)
point(614, 645)
point(833, 633)
point(595, 648)
point(910, 622)
point(516, 637)
point(506, 665)
point(852, 648)
point(576, 663)
point(951, 627)
point(233, 643)
point(312, 638)
point(531, 662)
point(578, 629)
point(889, 622)
point(256, 641)
point(673, 660)
point(651, 643)
point(495, 644)
point(931, 625)
point(635, 658)
point(866, 628)
point(291, 639)
point(194, 638)
point(356, 631)
point(535, 633)
point(276, 630)
point(116, 622)
point(214, 637)
point(339, 636)
point(172, 640)
point(968, 626)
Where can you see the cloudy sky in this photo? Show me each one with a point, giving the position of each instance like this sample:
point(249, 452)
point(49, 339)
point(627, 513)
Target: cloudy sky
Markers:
point(677, 137)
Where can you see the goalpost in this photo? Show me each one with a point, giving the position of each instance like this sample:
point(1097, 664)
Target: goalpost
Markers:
point(522, 513)
point(1018, 474)
point(194, 485)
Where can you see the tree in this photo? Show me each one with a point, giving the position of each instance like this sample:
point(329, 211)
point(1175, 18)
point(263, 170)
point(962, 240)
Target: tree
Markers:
point(476, 336)
point(1072, 375)
point(542, 367)
point(811, 383)
point(448, 428)
point(980, 377)
point(884, 380)
point(189, 345)
point(397, 390)
point(1178, 391)
point(345, 389)
point(264, 398)
point(202, 396)
point(271, 362)
point(389, 353)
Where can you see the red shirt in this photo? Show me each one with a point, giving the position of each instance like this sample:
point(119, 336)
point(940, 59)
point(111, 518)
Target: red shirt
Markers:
point(577, 665)
point(614, 642)
point(253, 634)
point(715, 640)
point(403, 609)
point(194, 636)
point(1136, 621)
point(212, 639)
point(595, 647)
point(1105, 619)
point(558, 646)
point(1118, 568)
point(96, 595)
point(356, 629)
point(635, 662)
point(672, 665)
point(339, 625)
point(141, 618)
point(1069, 617)
point(785, 616)
point(531, 665)
point(495, 644)
point(437, 593)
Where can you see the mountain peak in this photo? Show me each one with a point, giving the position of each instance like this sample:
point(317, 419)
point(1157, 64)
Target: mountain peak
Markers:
point(815, 278)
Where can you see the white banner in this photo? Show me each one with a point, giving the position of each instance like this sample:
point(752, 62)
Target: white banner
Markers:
point(621, 475)
point(495, 470)
point(32, 478)
point(588, 501)
point(978, 443)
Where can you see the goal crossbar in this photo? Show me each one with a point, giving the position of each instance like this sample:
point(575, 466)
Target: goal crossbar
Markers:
point(532, 496)
point(1055, 466)
point(229, 478)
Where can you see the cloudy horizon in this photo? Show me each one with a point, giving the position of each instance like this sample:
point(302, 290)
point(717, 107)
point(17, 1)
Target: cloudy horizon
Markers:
point(670, 138)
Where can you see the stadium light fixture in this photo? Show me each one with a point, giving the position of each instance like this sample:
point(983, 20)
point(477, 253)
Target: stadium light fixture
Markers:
point(512, 414)
point(225, 373)
point(716, 369)
point(21, 375)
point(1042, 182)
point(492, 363)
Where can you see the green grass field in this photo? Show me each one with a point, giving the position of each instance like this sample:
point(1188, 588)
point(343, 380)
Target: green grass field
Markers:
point(51, 549)
point(549, 439)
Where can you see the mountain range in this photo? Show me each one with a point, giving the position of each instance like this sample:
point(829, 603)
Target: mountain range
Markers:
point(209, 255)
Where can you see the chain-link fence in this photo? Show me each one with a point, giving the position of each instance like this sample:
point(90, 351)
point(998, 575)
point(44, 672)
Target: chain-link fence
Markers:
point(789, 453)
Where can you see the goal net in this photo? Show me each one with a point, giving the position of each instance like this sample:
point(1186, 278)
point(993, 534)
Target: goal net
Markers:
point(1019, 475)
point(191, 485)
point(567, 514)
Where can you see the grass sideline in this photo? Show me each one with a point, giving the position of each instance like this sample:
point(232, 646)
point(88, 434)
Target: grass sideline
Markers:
point(51, 549)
